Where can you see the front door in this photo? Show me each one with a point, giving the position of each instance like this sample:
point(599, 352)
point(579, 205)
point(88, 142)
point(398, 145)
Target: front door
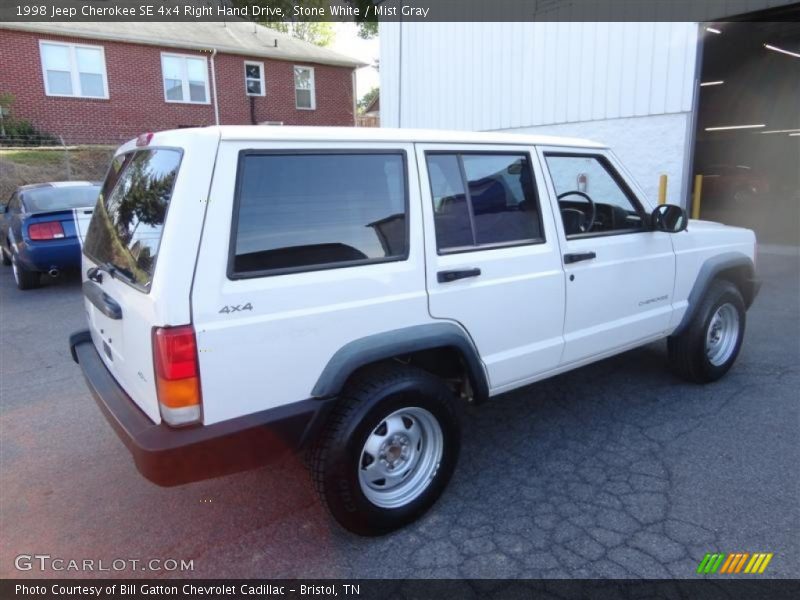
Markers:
point(492, 258)
point(619, 275)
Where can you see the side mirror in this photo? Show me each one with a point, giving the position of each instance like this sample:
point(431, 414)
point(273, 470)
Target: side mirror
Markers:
point(669, 218)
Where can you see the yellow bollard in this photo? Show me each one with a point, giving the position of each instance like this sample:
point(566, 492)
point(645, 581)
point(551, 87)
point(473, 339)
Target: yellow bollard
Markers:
point(662, 189)
point(698, 192)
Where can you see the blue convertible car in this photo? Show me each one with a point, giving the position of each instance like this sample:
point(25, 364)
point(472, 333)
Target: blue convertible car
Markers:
point(42, 226)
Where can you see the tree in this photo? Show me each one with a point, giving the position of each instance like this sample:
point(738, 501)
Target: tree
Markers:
point(367, 99)
point(320, 33)
point(317, 32)
point(367, 29)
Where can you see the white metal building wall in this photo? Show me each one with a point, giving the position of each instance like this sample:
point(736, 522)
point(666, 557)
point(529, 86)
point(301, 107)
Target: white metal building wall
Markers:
point(481, 76)
point(629, 85)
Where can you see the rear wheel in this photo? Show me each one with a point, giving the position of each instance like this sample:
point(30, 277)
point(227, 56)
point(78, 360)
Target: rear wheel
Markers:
point(24, 278)
point(708, 347)
point(388, 450)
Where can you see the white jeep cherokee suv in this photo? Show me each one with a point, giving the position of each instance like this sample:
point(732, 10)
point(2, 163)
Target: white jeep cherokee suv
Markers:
point(251, 290)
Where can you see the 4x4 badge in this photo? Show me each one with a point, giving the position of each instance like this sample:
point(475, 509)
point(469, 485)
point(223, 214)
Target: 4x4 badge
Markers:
point(235, 308)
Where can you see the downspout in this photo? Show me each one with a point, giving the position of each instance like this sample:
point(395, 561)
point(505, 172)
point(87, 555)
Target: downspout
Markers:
point(214, 86)
point(355, 106)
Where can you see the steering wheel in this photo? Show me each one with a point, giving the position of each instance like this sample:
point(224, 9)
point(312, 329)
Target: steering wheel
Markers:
point(584, 226)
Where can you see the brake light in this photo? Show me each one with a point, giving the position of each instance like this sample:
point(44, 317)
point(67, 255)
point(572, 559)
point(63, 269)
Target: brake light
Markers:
point(144, 139)
point(177, 374)
point(49, 230)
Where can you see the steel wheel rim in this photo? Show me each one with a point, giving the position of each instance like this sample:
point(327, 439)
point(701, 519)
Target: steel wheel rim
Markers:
point(722, 334)
point(400, 457)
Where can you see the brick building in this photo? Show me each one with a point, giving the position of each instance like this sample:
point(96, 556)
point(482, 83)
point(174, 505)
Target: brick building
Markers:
point(105, 82)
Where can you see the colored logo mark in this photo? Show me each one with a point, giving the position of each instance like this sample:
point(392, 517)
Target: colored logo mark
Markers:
point(738, 562)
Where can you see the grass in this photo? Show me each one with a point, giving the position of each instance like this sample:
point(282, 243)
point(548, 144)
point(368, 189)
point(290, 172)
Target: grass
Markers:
point(33, 157)
point(40, 165)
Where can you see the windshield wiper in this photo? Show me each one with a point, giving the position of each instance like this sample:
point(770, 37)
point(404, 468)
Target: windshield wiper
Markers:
point(116, 273)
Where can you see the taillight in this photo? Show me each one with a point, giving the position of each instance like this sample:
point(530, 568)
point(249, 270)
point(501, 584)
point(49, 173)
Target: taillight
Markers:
point(143, 139)
point(49, 230)
point(177, 374)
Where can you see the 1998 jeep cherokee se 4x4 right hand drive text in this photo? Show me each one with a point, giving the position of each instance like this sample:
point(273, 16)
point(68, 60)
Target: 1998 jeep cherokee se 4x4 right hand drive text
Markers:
point(251, 290)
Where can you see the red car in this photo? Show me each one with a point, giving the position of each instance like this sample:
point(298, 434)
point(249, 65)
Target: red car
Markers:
point(733, 182)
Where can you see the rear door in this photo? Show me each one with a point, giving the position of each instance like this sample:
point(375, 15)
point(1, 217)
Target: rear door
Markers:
point(619, 274)
point(146, 228)
point(492, 256)
point(123, 243)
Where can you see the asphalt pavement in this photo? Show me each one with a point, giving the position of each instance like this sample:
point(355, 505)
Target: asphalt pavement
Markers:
point(614, 470)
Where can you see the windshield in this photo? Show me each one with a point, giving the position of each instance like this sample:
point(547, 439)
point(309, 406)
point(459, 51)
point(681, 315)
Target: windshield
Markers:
point(126, 226)
point(60, 197)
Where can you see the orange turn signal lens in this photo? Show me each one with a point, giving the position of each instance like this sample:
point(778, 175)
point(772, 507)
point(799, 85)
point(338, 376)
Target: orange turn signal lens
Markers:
point(177, 374)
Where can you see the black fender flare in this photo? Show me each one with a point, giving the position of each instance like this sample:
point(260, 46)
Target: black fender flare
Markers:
point(380, 346)
point(709, 271)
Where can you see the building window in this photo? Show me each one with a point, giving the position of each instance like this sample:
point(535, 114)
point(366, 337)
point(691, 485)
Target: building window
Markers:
point(305, 97)
point(185, 78)
point(74, 70)
point(305, 212)
point(254, 78)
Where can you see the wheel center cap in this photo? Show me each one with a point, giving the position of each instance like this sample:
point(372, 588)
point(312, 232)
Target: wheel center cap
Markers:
point(393, 453)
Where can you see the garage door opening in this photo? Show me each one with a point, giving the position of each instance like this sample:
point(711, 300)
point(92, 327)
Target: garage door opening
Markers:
point(748, 128)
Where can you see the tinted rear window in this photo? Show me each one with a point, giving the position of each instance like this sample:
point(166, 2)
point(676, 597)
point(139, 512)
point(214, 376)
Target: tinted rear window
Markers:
point(125, 231)
point(60, 198)
point(312, 211)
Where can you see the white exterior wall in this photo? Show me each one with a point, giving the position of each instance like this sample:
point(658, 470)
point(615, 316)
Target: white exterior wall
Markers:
point(647, 146)
point(630, 85)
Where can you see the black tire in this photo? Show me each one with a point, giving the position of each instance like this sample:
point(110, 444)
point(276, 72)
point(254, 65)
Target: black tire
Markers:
point(687, 351)
point(6, 256)
point(25, 280)
point(337, 458)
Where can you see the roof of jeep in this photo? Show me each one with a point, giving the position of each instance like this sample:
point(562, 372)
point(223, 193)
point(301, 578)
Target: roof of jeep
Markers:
point(380, 134)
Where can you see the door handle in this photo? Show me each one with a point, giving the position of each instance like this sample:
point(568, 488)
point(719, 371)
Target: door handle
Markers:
point(578, 257)
point(104, 303)
point(448, 276)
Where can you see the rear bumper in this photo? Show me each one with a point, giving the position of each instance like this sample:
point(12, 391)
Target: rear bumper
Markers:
point(43, 256)
point(168, 456)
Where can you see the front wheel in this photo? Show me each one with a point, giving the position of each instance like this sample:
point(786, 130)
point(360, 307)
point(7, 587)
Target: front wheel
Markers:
point(708, 347)
point(389, 449)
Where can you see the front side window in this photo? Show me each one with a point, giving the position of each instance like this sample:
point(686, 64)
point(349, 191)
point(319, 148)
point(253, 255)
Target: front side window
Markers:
point(304, 88)
point(74, 70)
point(185, 78)
point(126, 226)
point(483, 200)
point(254, 78)
point(591, 198)
point(315, 211)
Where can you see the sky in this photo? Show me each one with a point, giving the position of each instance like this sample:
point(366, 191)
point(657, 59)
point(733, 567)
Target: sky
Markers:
point(347, 42)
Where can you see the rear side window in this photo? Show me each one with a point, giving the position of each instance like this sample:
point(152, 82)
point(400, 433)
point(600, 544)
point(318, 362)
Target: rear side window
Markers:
point(482, 200)
point(125, 230)
point(297, 212)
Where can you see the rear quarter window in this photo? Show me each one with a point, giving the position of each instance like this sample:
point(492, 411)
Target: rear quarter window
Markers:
point(311, 211)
